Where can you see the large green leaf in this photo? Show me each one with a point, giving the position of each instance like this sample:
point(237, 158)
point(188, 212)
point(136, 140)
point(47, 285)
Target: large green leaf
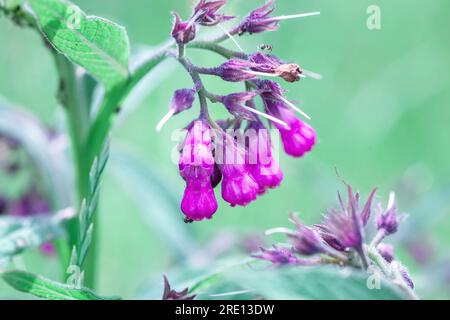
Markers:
point(312, 283)
point(48, 289)
point(98, 45)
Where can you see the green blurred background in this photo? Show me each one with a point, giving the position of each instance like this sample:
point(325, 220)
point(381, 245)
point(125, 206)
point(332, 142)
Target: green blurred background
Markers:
point(381, 113)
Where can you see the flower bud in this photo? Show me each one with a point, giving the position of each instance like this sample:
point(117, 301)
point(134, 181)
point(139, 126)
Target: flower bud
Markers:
point(182, 31)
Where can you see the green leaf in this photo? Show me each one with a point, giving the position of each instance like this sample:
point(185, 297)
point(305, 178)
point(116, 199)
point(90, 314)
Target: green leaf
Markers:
point(313, 283)
point(48, 289)
point(98, 45)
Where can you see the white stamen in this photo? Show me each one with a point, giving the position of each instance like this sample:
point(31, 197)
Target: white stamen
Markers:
point(277, 230)
point(263, 74)
point(391, 201)
point(295, 16)
point(290, 104)
point(231, 293)
point(267, 116)
point(231, 37)
point(164, 120)
point(312, 75)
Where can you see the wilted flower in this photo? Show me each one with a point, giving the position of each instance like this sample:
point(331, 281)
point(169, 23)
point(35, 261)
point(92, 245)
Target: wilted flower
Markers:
point(170, 294)
point(306, 241)
point(235, 70)
point(277, 255)
point(235, 104)
point(271, 65)
point(197, 167)
point(205, 12)
point(259, 20)
point(182, 31)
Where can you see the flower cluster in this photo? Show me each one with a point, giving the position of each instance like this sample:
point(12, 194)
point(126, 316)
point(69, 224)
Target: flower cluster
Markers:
point(340, 239)
point(237, 152)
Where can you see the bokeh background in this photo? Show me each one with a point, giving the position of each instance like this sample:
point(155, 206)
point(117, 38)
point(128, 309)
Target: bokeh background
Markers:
point(381, 112)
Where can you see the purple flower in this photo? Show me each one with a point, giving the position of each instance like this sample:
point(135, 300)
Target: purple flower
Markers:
point(386, 251)
point(182, 100)
point(389, 220)
point(31, 203)
point(265, 170)
point(343, 228)
point(259, 20)
point(238, 186)
point(170, 294)
point(306, 241)
point(205, 12)
point(298, 137)
point(182, 31)
point(270, 64)
point(235, 70)
point(235, 104)
point(216, 177)
point(197, 167)
point(277, 255)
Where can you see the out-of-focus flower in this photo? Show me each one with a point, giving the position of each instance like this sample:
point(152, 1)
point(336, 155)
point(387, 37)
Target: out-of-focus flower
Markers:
point(205, 12)
point(404, 273)
point(386, 251)
point(235, 70)
point(389, 221)
point(170, 294)
point(196, 167)
point(271, 65)
point(182, 31)
point(277, 255)
point(3, 205)
point(344, 226)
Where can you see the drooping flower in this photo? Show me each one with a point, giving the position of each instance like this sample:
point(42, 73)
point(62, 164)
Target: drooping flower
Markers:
point(197, 167)
point(182, 31)
point(238, 186)
point(271, 65)
point(298, 137)
point(170, 294)
point(205, 12)
point(264, 168)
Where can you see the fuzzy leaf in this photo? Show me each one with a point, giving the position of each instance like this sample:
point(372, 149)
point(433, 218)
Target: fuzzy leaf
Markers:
point(48, 289)
point(313, 283)
point(98, 45)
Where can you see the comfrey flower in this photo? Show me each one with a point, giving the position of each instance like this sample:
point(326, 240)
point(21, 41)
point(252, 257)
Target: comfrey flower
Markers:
point(264, 169)
point(205, 12)
point(251, 173)
point(271, 65)
point(340, 240)
point(238, 186)
point(170, 294)
point(182, 31)
point(298, 137)
point(259, 20)
point(389, 221)
point(197, 167)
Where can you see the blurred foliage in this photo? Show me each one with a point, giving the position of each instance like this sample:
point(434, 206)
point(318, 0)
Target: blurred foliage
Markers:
point(380, 113)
